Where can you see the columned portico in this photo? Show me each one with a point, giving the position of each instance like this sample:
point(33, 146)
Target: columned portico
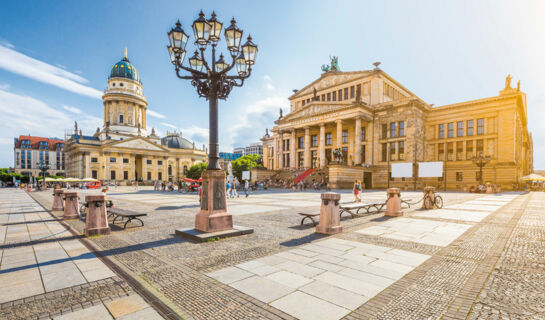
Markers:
point(307, 162)
point(339, 140)
point(357, 139)
point(322, 146)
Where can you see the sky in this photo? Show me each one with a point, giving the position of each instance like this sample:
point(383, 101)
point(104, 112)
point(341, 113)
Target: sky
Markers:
point(56, 56)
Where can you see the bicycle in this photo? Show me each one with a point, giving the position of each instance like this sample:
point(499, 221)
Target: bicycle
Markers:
point(429, 203)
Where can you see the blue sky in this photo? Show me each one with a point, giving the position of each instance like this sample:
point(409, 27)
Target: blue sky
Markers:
point(55, 58)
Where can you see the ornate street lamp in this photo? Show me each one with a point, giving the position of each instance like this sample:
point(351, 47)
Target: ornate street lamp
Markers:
point(44, 166)
point(481, 161)
point(212, 82)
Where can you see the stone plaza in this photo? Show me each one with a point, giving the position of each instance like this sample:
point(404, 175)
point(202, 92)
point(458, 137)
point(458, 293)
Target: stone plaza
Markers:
point(480, 257)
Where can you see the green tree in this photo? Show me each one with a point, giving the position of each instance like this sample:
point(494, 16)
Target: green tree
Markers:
point(196, 170)
point(245, 163)
point(7, 177)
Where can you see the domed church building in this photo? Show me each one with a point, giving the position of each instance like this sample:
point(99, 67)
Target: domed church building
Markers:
point(123, 149)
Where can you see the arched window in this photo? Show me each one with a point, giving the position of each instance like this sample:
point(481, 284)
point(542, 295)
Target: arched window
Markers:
point(185, 170)
point(169, 170)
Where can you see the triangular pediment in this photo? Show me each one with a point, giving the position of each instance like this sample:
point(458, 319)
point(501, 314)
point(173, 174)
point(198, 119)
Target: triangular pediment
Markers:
point(330, 79)
point(138, 143)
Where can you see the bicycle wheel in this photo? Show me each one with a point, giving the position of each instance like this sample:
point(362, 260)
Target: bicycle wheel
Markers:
point(438, 202)
point(428, 203)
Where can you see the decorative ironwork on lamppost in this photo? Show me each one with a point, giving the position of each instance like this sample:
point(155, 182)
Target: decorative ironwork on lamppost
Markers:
point(43, 166)
point(481, 161)
point(212, 81)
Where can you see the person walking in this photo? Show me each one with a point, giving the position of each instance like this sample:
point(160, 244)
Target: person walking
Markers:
point(234, 188)
point(246, 187)
point(356, 190)
point(228, 189)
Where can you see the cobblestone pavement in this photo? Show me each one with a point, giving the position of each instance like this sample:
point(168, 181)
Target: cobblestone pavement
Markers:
point(46, 272)
point(175, 269)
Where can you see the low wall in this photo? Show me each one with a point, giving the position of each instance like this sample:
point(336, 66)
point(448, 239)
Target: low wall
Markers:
point(342, 177)
point(260, 174)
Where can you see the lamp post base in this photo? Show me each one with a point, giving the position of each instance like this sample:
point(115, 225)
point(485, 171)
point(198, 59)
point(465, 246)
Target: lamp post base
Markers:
point(213, 216)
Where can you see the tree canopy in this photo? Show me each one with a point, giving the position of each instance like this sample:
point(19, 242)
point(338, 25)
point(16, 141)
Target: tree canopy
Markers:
point(7, 177)
point(245, 163)
point(195, 171)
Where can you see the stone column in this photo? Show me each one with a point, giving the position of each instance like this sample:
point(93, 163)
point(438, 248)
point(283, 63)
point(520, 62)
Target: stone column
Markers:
point(322, 146)
point(339, 140)
point(357, 143)
point(213, 216)
point(279, 154)
point(144, 173)
point(293, 148)
point(71, 205)
point(87, 165)
point(96, 221)
point(330, 219)
point(307, 162)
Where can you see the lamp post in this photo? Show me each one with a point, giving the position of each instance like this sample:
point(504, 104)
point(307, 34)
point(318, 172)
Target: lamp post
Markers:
point(212, 81)
point(481, 161)
point(44, 166)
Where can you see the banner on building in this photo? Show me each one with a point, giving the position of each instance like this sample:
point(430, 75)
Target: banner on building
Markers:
point(430, 169)
point(402, 170)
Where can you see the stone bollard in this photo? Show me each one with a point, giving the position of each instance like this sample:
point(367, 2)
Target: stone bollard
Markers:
point(57, 199)
point(393, 205)
point(431, 192)
point(330, 219)
point(96, 221)
point(71, 205)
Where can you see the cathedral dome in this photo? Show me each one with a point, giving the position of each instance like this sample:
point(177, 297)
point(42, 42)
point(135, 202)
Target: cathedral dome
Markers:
point(176, 141)
point(124, 69)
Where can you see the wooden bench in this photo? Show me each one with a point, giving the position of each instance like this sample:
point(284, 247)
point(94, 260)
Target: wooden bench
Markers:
point(124, 213)
point(309, 216)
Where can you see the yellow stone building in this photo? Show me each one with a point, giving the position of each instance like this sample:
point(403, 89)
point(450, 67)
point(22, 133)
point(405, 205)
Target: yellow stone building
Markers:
point(123, 150)
point(376, 121)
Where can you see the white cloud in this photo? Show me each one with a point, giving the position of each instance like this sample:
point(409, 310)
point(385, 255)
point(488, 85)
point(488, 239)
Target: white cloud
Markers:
point(72, 109)
point(26, 66)
point(26, 115)
point(270, 87)
point(6, 43)
point(197, 134)
point(269, 83)
point(169, 125)
point(155, 114)
point(4, 86)
point(267, 78)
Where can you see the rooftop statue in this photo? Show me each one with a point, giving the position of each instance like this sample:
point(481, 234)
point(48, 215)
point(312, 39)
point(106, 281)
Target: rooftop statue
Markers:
point(334, 66)
point(508, 81)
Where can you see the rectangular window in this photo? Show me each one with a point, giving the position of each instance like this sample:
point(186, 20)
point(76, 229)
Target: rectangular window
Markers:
point(301, 142)
point(401, 128)
point(323, 97)
point(328, 96)
point(459, 176)
point(328, 139)
point(441, 131)
point(334, 95)
point(392, 151)
point(160, 162)
point(346, 93)
point(363, 134)
point(314, 140)
point(469, 130)
point(384, 151)
point(450, 151)
point(480, 126)
point(340, 94)
point(460, 150)
point(125, 160)
point(460, 129)
point(120, 118)
point(148, 162)
point(480, 147)
point(358, 89)
point(363, 154)
point(125, 175)
point(451, 130)
point(149, 175)
point(301, 159)
point(317, 98)
point(352, 93)
point(112, 175)
point(469, 150)
point(345, 136)
point(303, 103)
point(384, 131)
point(94, 174)
point(344, 151)
point(401, 150)
point(159, 176)
point(393, 132)
point(112, 160)
point(441, 152)
point(314, 158)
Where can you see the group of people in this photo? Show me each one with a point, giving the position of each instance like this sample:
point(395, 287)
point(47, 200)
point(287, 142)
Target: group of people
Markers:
point(232, 186)
point(162, 186)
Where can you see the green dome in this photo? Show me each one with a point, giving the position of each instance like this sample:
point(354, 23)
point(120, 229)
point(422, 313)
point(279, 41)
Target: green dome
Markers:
point(124, 69)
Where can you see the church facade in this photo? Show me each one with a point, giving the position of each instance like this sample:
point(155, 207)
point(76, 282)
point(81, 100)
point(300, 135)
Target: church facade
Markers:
point(374, 121)
point(123, 150)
